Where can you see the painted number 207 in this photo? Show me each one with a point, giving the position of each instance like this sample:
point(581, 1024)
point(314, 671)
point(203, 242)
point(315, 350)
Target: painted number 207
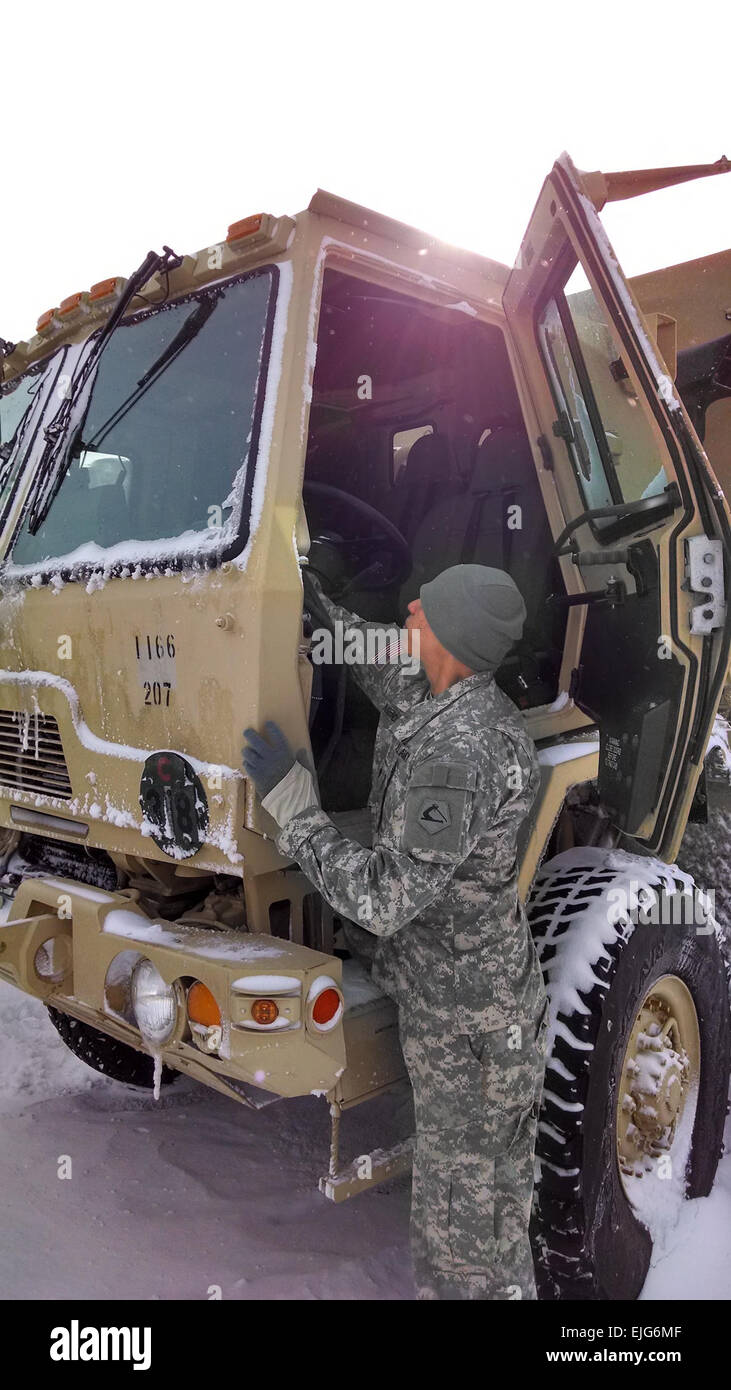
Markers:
point(157, 692)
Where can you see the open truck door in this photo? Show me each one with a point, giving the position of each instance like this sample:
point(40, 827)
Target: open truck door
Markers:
point(647, 524)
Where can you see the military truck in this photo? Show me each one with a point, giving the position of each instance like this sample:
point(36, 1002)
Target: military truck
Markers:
point(338, 384)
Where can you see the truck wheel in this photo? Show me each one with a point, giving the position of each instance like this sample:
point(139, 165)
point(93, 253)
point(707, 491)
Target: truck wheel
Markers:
point(108, 1055)
point(639, 1052)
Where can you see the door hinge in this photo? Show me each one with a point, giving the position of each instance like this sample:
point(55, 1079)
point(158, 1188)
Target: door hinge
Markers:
point(618, 370)
point(546, 452)
point(704, 575)
point(563, 428)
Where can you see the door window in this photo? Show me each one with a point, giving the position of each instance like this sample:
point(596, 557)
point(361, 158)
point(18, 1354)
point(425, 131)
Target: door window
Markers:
point(610, 440)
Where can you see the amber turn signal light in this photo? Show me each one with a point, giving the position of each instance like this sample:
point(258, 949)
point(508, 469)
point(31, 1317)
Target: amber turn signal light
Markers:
point(202, 1007)
point(264, 1011)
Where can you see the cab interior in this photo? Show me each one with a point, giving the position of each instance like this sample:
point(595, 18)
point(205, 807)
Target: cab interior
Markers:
point(415, 414)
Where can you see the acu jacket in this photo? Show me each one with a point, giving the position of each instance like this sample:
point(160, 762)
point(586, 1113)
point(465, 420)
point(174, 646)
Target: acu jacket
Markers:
point(454, 776)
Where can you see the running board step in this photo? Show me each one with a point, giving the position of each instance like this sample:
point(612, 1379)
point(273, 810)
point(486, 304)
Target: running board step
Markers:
point(367, 1170)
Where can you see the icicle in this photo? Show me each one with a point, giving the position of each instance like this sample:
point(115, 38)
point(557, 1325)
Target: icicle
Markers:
point(24, 721)
point(157, 1074)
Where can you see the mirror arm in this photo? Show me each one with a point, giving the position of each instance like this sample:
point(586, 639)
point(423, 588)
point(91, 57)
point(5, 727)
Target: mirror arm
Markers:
point(670, 496)
point(614, 594)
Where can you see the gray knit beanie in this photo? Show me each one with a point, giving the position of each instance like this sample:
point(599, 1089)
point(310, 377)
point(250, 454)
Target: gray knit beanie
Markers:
point(476, 612)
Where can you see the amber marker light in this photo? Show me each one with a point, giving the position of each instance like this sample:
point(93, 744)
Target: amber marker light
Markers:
point(68, 305)
point(246, 227)
point(264, 1011)
point(202, 1007)
point(45, 320)
point(102, 289)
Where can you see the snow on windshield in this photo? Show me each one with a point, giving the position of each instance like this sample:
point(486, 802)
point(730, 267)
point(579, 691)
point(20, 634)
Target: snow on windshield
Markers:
point(22, 402)
point(170, 432)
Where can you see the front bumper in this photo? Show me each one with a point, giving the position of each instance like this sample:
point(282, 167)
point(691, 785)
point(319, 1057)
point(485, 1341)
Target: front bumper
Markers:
point(97, 939)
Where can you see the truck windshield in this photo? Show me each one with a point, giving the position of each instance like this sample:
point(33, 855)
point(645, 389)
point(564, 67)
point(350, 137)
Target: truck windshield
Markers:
point(21, 404)
point(169, 437)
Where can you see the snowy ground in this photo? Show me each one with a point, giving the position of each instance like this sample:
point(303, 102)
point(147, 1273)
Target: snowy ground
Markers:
point(169, 1198)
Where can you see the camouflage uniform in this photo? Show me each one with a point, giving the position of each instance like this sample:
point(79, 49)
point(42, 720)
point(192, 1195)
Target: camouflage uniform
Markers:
point(454, 775)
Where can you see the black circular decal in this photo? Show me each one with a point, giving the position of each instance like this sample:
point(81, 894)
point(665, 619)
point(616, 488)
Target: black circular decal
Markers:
point(174, 804)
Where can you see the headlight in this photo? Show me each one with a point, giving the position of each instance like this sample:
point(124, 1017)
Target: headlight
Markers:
point(155, 1004)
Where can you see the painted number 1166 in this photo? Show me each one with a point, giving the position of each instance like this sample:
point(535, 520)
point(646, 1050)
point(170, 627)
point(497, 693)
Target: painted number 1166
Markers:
point(155, 653)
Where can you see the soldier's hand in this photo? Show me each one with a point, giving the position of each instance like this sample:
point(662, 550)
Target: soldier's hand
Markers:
point(266, 762)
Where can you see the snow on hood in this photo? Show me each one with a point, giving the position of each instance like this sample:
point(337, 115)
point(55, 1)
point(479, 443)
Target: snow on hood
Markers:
point(92, 741)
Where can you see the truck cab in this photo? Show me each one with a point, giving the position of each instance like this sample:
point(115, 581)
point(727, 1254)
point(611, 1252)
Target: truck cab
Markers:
point(173, 449)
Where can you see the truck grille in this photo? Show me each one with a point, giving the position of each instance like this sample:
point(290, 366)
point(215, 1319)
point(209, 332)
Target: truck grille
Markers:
point(31, 754)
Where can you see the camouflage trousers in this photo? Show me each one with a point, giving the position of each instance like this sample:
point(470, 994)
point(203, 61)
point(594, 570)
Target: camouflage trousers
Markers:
point(476, 1102)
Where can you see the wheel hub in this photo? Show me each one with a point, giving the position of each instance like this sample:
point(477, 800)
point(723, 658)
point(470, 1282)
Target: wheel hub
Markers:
point(660, 1064)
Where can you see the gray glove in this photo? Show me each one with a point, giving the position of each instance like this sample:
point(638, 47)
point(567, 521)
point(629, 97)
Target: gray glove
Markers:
point(266, 763)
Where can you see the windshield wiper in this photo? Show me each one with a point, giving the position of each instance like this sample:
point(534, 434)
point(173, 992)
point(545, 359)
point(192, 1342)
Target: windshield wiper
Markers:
point(12, 446)
point(8, 448)
point(62, 430)
point(185, 335)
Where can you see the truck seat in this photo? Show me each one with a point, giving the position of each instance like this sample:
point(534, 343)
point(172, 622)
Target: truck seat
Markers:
point(424, 484)
point(473, 527)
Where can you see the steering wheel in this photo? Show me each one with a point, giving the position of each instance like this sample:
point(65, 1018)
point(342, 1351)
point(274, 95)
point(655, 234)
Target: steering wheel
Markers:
point(359, 550)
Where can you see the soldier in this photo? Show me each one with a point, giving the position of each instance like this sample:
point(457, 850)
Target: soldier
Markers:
point(454, 775)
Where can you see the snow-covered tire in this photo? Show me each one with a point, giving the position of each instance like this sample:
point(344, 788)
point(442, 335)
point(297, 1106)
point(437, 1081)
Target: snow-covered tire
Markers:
point(107, 1055)
point(600, 963)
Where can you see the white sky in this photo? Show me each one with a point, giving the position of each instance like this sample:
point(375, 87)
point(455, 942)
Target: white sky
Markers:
point(132, 125)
